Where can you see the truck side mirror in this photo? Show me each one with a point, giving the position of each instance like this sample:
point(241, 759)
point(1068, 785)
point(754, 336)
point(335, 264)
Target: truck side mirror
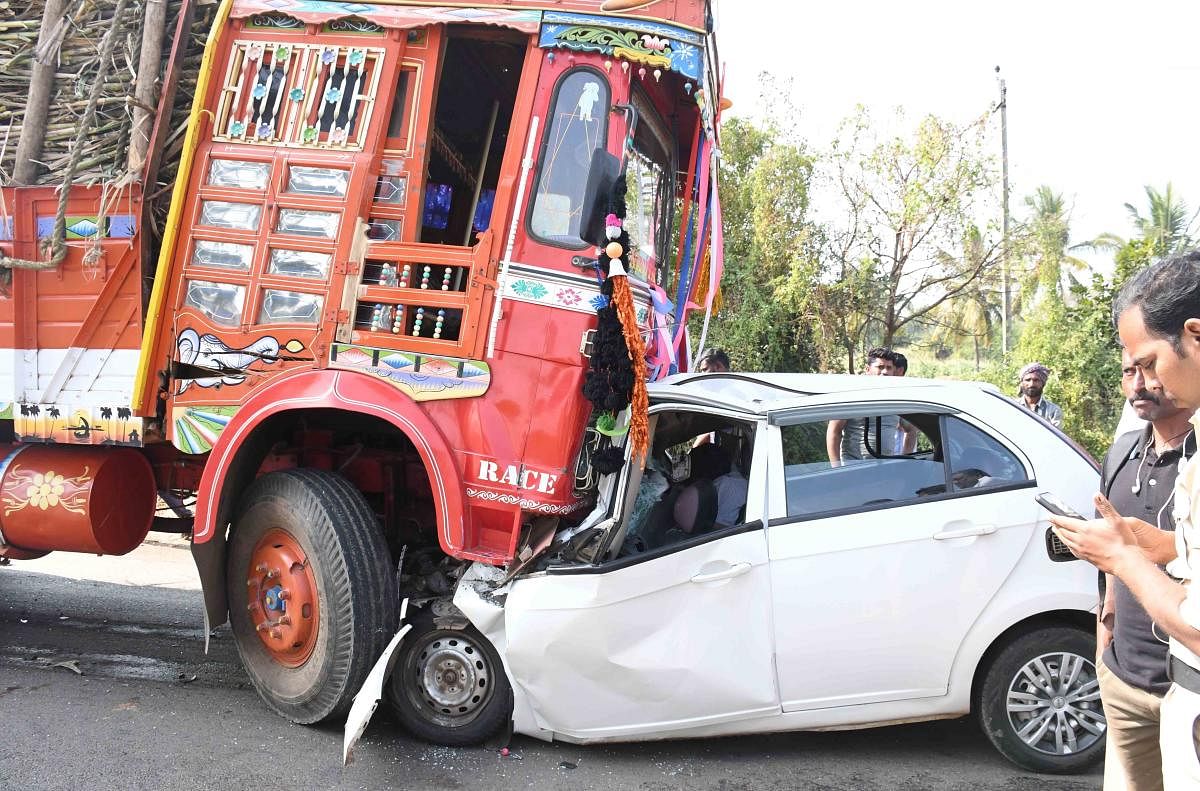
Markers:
point(602, 174)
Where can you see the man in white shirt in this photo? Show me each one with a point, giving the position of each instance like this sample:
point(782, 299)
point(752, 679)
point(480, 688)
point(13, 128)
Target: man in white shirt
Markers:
point(1158, 318)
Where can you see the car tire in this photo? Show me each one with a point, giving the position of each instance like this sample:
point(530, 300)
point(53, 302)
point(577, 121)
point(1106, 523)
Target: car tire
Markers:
point(449, 686)
point(306, 545)
point(1039, 701)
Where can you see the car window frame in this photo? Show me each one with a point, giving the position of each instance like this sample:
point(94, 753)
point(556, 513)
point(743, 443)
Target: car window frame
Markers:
point(826, 412)
point(759, 472)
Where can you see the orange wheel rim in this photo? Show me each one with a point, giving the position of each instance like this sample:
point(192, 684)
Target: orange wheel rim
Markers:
point(282, 598)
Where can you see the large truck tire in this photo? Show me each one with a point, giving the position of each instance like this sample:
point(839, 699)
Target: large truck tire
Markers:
point(312, 595)
point(448, 686)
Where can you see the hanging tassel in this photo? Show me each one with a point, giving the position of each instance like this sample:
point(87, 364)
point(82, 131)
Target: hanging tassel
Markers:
point(639, 406)
point(615, 259)
point(700, 288)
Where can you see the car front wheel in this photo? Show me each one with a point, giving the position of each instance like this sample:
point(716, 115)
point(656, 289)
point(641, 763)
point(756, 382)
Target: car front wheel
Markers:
point(1039, 702)
point(449, 685)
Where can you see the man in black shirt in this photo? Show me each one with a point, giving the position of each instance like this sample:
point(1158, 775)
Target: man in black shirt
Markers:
point(1139, 479)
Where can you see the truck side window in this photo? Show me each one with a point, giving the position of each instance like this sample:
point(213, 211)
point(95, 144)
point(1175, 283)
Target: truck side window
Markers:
point(578, 126)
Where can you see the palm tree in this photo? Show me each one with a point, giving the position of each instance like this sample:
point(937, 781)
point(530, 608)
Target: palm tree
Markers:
point(974, 313)
point(1048, 234)
point(1167, 225)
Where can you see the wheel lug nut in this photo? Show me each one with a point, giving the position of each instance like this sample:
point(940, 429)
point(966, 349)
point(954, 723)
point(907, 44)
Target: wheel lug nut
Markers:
point(276, 634)
point(262, 627)
point(284, 594)
point(261, 568)
point(284, 620)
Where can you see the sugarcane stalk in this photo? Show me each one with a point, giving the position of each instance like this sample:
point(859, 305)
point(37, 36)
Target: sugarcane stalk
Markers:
point(41, 88)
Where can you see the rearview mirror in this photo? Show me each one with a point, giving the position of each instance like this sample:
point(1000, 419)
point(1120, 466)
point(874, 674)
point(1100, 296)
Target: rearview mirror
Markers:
point(602, 174)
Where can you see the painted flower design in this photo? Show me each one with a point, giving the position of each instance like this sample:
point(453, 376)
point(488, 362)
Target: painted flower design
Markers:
point(260, 91)
point(356, 57)
point(281, 53)
point(255, 52)
point(526, 288)
point(328, 55)
point(333, 94)
point(654, 43)
point(264, 130)
point(236, 129)
point(310, 134)
point(569, 296)
point(45, 490)
point(296, 94)
point(338, 135)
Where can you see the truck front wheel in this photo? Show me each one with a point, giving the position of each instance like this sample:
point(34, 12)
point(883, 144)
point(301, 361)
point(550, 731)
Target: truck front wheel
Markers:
point(312, 596)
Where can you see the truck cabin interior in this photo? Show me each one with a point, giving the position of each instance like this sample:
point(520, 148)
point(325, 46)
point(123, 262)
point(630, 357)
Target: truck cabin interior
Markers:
point(474, 104)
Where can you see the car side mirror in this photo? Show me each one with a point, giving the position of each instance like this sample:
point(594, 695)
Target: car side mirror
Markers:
point(602, 174)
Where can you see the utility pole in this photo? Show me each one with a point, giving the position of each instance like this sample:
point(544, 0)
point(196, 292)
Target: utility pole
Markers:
point(1004, 317)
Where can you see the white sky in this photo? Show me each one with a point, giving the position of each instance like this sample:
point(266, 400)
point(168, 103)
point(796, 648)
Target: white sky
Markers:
point(1101, 95)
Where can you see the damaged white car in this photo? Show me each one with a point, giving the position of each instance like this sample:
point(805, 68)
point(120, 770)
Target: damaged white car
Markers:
point(743, 582)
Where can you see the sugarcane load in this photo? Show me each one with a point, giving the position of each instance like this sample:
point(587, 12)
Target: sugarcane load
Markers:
point(354, 295)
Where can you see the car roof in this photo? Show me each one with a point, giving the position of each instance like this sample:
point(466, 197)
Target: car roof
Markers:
point(760, 393)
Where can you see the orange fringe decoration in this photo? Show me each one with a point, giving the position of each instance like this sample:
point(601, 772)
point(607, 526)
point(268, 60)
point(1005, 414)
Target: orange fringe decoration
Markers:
point(700, 287)
point(639, 404)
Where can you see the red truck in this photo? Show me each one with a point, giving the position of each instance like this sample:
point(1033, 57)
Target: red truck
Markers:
point(349, 359)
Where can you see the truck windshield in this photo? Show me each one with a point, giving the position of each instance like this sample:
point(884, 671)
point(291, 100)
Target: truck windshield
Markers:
point(577, 127)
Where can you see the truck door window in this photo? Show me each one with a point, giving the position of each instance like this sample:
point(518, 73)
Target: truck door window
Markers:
point(578, 126)
point(476, 95)
point(650, 187)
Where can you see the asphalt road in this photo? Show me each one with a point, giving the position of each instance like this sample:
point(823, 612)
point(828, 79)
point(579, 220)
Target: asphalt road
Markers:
point(149, 711)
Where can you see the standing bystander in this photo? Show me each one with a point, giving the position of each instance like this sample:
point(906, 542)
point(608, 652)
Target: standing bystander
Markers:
point(714, 361)
point(1158, 318)
point(1031, 384)
point(1139, 474)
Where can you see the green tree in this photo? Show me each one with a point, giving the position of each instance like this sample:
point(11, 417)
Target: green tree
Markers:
point(1045, 238)
point(908, 207)
point(970, 319)
point(1078, 343)
point(764, 181)
point(1166, 227)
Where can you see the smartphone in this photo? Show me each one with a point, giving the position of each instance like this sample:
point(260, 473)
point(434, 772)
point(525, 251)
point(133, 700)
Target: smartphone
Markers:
point(1054, 505)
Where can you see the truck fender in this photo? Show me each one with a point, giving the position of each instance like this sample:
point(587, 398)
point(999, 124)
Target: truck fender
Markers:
point(319, 389)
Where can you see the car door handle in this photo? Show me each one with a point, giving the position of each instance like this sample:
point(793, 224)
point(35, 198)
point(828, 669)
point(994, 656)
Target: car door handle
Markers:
point(734, 570)
point(966, 532)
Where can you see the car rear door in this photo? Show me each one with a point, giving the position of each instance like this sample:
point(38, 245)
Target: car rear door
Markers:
point(880, 567)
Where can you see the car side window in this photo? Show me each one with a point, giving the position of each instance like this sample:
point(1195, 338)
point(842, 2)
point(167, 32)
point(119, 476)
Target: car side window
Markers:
point(696, 482)
point(861, 461)
point(978, 460)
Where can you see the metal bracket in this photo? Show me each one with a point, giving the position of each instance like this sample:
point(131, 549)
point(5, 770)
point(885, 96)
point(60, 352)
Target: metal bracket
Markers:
point(587, 343)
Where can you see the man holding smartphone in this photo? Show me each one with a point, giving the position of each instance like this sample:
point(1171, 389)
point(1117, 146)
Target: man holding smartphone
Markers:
point(1139, 478)
point(1158, 318)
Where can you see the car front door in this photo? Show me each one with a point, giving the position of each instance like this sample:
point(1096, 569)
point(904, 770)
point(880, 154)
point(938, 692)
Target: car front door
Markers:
point(673, 638)
point(880, 566)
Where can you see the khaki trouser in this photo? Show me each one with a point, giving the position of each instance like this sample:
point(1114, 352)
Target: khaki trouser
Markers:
point(1180, 739)
point(1132, 760)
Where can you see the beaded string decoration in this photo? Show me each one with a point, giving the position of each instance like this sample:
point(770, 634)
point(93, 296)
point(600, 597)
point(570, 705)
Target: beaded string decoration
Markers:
point(617, 376)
